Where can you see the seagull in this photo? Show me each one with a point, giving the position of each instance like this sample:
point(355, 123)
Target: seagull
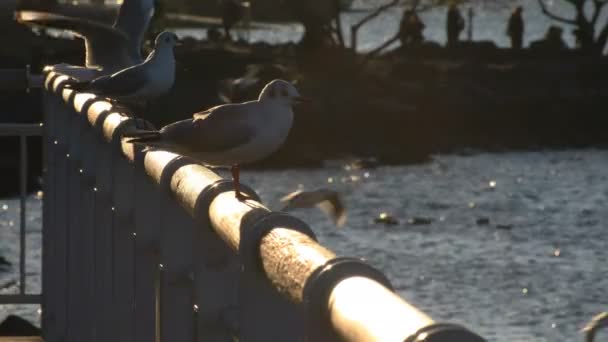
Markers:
point(329, 201)
point(597, 322)
point(108, 48)
point(150, 79)
point(230, 134)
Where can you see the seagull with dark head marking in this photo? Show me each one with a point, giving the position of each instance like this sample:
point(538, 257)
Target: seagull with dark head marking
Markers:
point(230, 134)
point(329, 201)
point(108, 48)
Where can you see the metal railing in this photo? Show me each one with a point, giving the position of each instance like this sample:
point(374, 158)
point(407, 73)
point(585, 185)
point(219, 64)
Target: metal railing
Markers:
point(151, 246)
point(20, 79)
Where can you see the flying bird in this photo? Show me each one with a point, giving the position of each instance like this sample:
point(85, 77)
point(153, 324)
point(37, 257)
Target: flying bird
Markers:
point(329, 201)
point(142, 82)
point(108, 48)
point(230, 134)
point(598, 322)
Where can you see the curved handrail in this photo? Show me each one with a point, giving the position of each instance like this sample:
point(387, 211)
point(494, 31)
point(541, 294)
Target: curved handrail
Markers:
point(351, 298)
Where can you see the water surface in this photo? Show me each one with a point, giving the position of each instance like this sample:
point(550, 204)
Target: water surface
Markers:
point(539, 281)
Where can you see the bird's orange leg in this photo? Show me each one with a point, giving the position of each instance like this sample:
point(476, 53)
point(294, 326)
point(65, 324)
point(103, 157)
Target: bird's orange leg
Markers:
point(237, 184)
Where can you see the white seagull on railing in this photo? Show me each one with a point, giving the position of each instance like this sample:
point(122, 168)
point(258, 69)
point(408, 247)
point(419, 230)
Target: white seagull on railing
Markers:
point(142, 82)
point(329, 201)
point(231, 134)
point(108, 48)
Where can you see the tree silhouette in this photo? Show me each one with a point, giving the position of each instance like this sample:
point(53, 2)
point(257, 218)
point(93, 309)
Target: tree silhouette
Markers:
point(591, 36)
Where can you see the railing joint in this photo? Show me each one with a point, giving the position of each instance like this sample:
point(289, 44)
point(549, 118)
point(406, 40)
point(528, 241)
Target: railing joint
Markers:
point(251, 237)
point(444, 332)
point(319, 286)
point(203, 202)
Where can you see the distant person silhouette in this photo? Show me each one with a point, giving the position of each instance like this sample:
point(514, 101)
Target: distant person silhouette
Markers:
point(583, 33)
point(515, 28)
point(553, 41)
point(454, 24)
point(410, 30)
point(232, 12)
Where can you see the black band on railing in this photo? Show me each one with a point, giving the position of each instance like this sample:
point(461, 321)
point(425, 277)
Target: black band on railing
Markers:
point(50, 81)
point(318, 289)
point(444, 332)
point(203, 202)
point(251, 236)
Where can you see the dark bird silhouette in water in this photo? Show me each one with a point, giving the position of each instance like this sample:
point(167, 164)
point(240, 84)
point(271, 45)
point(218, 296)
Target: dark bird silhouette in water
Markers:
point(329, 201)
point(386, 219)
point(598, 322)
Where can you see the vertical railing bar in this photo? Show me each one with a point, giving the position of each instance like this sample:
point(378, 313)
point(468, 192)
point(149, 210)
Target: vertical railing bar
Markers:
point(23, 194)
point(157, 304)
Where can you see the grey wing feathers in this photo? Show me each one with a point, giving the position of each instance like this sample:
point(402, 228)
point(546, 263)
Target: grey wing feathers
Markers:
point(212, 136)
point(122, 83)
point(334, 207)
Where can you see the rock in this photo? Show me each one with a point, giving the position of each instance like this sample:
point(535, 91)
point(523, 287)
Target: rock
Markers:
point(504, 226)
point(17, 326)
point(420, 221)
point(362, 164)
point(386, 219)
point(483, 221)
point(4, 264)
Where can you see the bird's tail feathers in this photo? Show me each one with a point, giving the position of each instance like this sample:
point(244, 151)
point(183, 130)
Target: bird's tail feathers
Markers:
point(142, 137)
point(77, 85)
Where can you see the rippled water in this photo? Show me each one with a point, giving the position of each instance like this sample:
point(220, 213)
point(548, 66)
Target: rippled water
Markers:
point(539, 281)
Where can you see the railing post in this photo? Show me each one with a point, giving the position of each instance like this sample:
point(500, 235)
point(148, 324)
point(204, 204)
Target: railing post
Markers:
point(123, 210)
point(102, 190)
point(52, 313)
point(147, 251)
point(88, 173)
point(177, 231)
point(56, 115)
point(76, 274)
point(216, 278)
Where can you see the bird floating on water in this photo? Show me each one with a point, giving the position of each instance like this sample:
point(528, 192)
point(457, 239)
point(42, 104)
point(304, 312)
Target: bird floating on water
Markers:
point(599, 321)
point(108, 48)
point(329, 201)
point(142, 82)
point(387, 219)
point(230, 134)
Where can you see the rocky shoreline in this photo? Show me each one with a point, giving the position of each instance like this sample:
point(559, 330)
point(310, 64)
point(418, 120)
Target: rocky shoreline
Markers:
point(400, 107)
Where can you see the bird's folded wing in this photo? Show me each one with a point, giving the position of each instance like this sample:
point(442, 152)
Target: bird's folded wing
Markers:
point(211, 137)
point(124, 83)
